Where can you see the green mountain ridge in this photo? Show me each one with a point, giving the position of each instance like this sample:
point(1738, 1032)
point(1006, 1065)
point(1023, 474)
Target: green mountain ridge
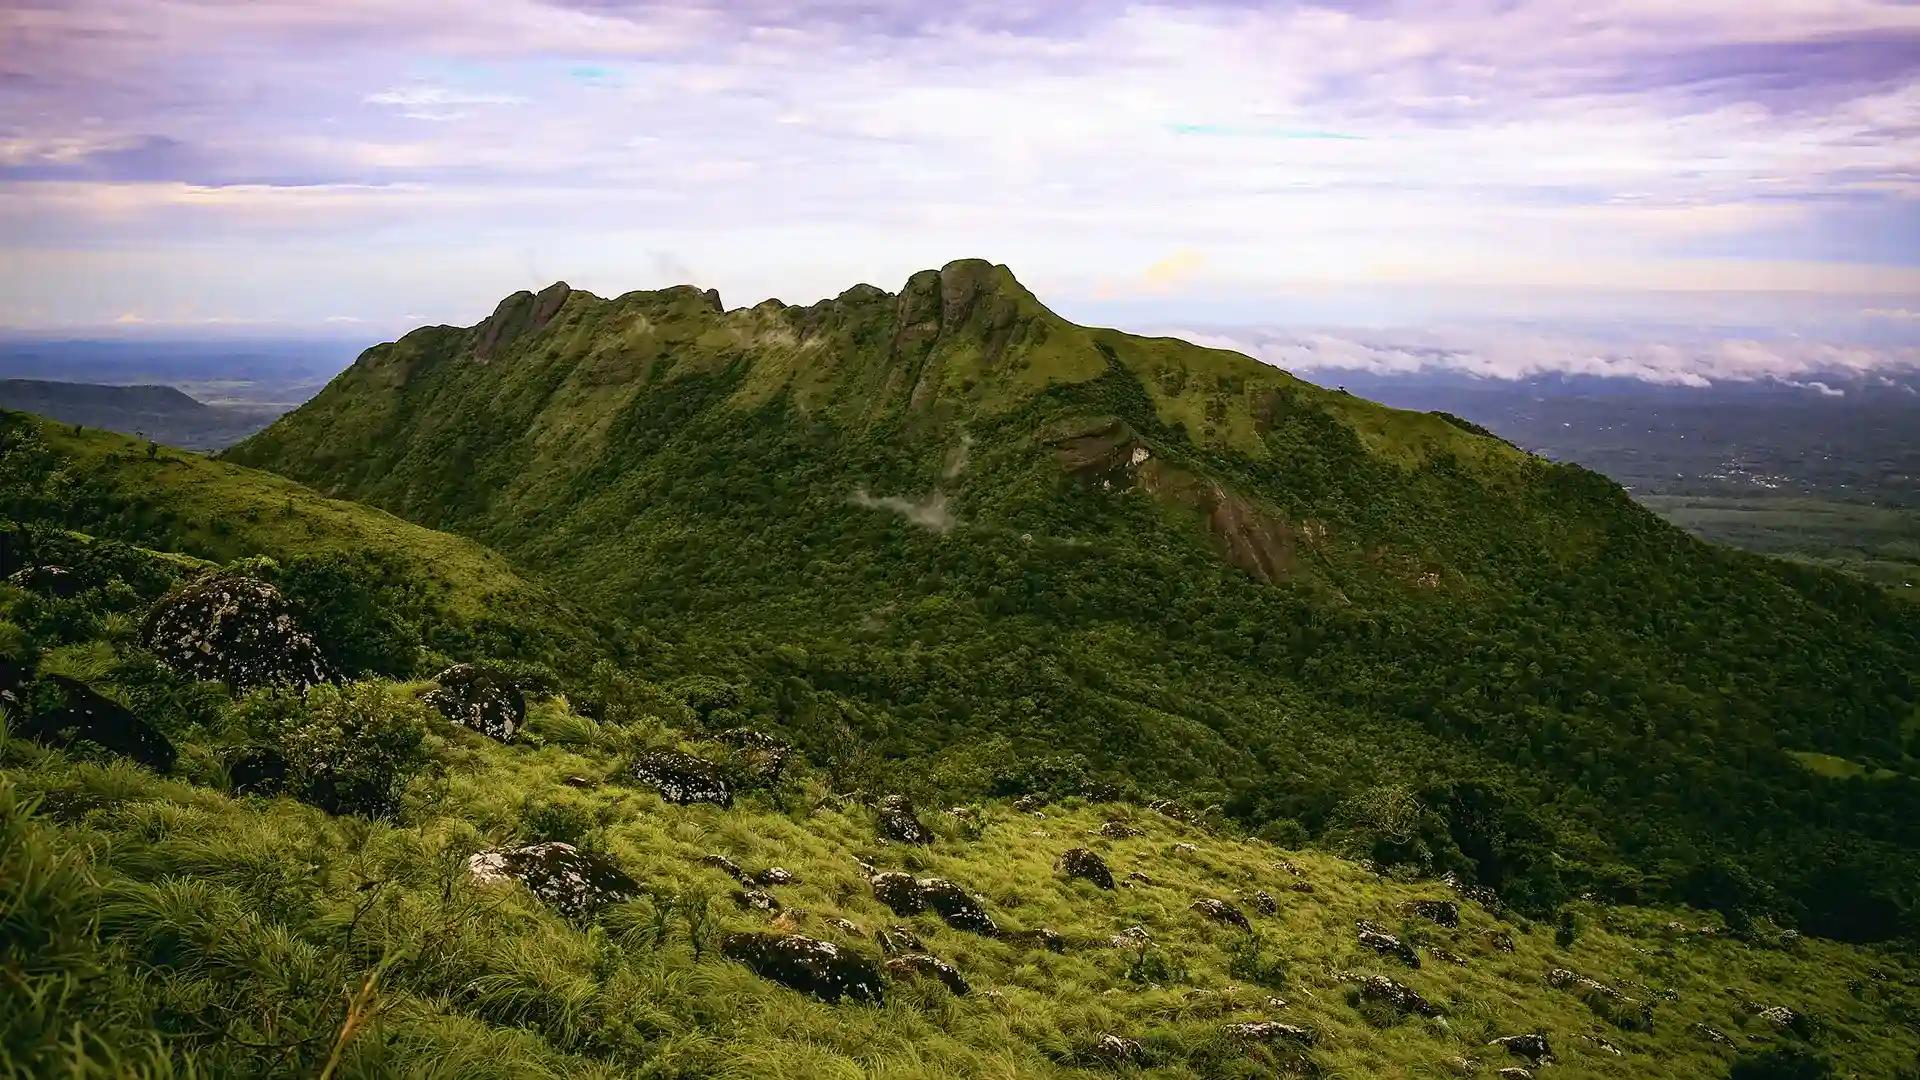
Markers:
point(1167, 566)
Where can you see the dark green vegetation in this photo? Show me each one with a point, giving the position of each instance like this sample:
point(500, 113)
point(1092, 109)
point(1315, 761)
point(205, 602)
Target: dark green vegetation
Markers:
point(219, 920)
point(949, 528)
point(160, 413)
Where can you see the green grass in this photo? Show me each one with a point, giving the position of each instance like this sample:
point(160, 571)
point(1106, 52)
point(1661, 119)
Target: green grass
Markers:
point(166, 928)
point(1881, 544)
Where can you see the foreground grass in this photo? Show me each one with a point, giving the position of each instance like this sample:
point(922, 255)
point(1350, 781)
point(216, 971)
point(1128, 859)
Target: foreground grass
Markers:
point(160, 927)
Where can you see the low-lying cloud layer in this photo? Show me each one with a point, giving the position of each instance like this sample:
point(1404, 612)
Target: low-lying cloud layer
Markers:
point(1492, 354)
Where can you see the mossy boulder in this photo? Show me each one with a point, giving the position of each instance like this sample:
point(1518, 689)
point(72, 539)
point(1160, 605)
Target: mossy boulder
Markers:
point(482, 700)
point(922, 966)
point(682, 778)
point(572, 882)
point(898, 822)
point(809, 965)
point(67, 713)
point(1221, 912)
point(237, 630)
point(1084, 864)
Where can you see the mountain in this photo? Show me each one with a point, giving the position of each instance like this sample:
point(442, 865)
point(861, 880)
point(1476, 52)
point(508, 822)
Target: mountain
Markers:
point(160, 413)
point(1029, 551)
point(507, 836)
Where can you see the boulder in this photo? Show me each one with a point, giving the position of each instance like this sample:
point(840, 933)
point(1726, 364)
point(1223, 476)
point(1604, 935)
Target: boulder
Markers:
point(775, 875)
point(682, 778)
point(1029, 804)
point(1113, 1050)
point(922, 966)
point(1119, 830)
point(1396, 995)
point(1532, 1046)
point(562, 876)
point(1171, 809)
point(755, 900)
point(898, 940)
point(1515, 1072)
point(1712, 1035)
point(1038, 937)
point(900, 892)
point(1301, 887)
point(1133, 937)
point(237, 630)
point(1270, 1031)
point(763, 757)
point(1221, 912)
point(81, 717)
point(1081, 863)
point(1446, 956)
point(809, 965)
point(1499, 939)
point(1444, 912)
point(1264, 903)
point(1139, 878)
point(961, 909)
point(1782, 1018)
point(56, 581)
point(257, 770)
point(480, 699)
point(845, 926)
point(1612, 1005)
point(1377, 939)
point(898, 823)
point(580, 782)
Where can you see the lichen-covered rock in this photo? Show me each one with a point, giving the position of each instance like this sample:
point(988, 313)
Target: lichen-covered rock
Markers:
point(1270, 1031)
point(1499, 939)
point(1515, 1072)
point(1138, 878)
point(763, 757)
point(1028, 804)
point(482, 700)
point(900, 892)
point(561, 876)
point(898, 823)
point(1784, 1019)
point(1038, 937)
point(1377, 939)
point(1133, 937)
point(1113, 1050)
point(68, 714)
point(1712, 1035)
point(845, 926)
point(898, 939)
point(755, 900)
point(1171, 809)
point(774, 875)
point(682, 778)
point(1264, 903)
point(1221, 912)
point(1533, 1046)
point(237, 630)
point(1397, 995)
point(1081, 863)
point(57, 581)
point(1119, 830)
point(1446, 956)
point(809, 965)
point(1444, 912)
point(1479, 894)
point(1606, 1001)
point(960, 908)
point(922, 966)
point(257, 770)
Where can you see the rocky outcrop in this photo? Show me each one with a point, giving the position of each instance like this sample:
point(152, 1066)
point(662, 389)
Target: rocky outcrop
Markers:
point(79, 717)
point(237, 630)
point(1084, 864)
point(1264, 903)
point(898, 822)
point(1532, 1046)
point(809, 965)
point(1270, 1031)
point(1119, 830)
point(482, 700)
point(922, 966)
point(1377, 939)
point(683, 778)
point(1396, 995)
point(960, 908)
point(900, 892)
point(563, 877)
point(1221, 912)
point(1444, 912)
point(55, 581)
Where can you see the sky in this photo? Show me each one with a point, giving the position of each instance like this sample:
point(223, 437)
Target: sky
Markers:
point(1661, 185)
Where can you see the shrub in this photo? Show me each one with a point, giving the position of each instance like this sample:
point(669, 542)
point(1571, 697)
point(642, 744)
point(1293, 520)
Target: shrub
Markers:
point(349, 749)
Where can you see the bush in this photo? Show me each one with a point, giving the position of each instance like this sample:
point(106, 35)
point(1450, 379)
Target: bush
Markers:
point(349, 749)
point(1789, 1063)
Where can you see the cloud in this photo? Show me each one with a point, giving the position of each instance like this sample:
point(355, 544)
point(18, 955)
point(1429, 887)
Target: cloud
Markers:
point(1515, 355)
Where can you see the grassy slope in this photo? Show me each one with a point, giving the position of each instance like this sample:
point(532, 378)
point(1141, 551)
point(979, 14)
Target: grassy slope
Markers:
point(239, 925)
point(208, 509)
